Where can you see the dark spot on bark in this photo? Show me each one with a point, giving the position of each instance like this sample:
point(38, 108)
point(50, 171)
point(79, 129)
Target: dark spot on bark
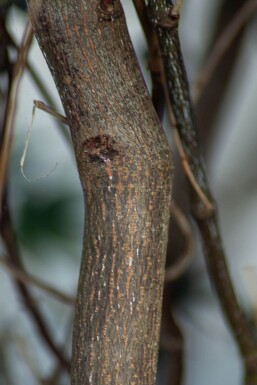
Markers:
point(109, 10)
point(43, 20)
point(100, 148)
point(74, 70)
point(60, 40)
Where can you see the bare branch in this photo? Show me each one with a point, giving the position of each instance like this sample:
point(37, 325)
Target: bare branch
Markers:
point(42, 89)
point(28, 279)
point(175, 271)
point(42, 106)
point(35, 313)
point(159, 89)
point(208, 205)
point(222, 45)
point(18, 70)
point(179, 95)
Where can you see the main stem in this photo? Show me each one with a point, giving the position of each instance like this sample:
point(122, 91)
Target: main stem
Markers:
point(125, 168)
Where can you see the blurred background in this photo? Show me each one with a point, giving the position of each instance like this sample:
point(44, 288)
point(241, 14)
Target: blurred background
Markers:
point(47, 213)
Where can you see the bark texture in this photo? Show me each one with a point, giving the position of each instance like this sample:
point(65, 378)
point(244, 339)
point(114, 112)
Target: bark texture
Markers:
point(125, 168)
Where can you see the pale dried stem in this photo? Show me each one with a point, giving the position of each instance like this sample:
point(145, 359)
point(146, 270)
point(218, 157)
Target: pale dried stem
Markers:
point(222, 45)
point(39, 83)
point(49, 110)
point(18, 70)
point(42, 106)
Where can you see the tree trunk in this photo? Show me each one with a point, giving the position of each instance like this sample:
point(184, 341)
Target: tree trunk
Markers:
point(125, 168)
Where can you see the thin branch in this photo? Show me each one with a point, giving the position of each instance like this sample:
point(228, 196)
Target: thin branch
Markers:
point(35, 313)
point(207, 204)
point(58, 117)
point(159, 89)
point(25, 355)
point(7, 233)
point(222, 45)
point(28, 279)
point(179, 96)
point(172, 340)
point(11, 106)
point(25, 150)
point(42, 106)
point(51, 111)
point(175, 271)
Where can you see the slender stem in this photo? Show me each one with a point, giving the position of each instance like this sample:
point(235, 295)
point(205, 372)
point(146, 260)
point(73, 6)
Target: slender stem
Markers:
point(207, 221)
point(159, 89)
point(222, 45)
point(44, 92)
point(6, 142)
point(28, 279)
point(207, 204)
point(35, 313)
point(176, 270)
point(42, 106)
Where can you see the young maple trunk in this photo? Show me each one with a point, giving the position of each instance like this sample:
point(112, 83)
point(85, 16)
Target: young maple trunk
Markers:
point(125, 168)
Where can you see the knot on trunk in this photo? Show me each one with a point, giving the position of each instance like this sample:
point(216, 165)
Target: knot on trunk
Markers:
point(100, 148)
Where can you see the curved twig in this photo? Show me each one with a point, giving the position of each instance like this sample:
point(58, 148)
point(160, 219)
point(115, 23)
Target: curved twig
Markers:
point(35, 313)
point(28, 279)
point(35, 76)
point(51, 111)
point(175, 271)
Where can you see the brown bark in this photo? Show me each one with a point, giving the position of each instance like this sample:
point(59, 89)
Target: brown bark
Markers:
point(125, 168)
